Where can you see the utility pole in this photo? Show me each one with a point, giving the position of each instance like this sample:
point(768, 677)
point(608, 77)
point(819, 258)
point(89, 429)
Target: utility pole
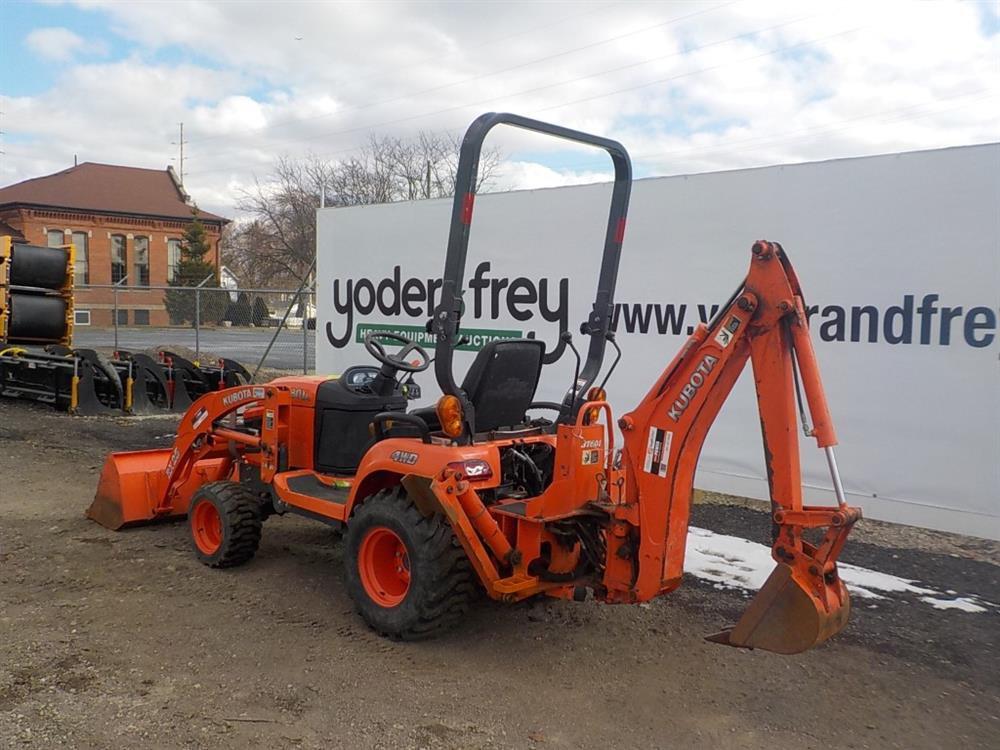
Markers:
point(180, 161)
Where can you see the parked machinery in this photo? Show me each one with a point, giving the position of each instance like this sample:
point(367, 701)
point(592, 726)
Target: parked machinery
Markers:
point(478, 494)
point(87, 383)
point(36, 293)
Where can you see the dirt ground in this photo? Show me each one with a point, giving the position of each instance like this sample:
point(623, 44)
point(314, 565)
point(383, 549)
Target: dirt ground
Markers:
point(121, 639)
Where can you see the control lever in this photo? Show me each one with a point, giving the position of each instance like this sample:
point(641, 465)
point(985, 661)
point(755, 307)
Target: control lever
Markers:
point(567, 338)
point(610, 336)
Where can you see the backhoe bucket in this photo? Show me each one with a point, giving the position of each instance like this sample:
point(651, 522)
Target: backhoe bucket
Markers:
point(788, 616)
point(130, 488)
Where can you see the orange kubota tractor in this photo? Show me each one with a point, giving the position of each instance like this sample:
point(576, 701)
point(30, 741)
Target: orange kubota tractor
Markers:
point(476, 494)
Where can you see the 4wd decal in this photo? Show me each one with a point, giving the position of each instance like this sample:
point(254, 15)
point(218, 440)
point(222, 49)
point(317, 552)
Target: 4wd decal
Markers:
point(690, 389)
point(658, 451)
point(404, 457)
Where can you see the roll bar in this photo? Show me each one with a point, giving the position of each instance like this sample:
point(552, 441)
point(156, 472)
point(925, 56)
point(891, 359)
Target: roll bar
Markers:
point(445, 322)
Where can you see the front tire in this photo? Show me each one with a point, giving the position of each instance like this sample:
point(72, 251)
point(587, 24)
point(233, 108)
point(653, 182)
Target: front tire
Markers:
point(225, 524)
point(407, 574)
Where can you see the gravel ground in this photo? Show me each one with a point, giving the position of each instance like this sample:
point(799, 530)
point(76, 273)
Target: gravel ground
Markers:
point(124, 640)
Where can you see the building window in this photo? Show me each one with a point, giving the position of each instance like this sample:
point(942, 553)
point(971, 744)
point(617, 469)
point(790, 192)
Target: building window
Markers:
point(81, 265)
point(119, 256)
point(173, 258)
point(140, 252)
point(81, 317)
point(140, 317)
point(122, 317)
point(56, 238)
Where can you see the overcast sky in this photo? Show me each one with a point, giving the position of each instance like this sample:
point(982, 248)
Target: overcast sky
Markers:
point(686, 86)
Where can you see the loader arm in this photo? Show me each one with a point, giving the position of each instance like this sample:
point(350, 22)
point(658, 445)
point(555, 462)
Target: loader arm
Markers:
point(804, 601)
point(142, 486)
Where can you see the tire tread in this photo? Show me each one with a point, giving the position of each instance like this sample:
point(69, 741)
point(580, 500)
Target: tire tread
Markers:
point(445, 598)
point(240, 511)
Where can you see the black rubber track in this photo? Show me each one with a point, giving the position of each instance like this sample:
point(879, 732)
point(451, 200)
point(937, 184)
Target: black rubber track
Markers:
point(239, 510)
point(442, 582)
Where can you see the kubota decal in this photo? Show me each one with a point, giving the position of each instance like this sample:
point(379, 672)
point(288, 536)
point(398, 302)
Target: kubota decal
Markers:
point(690, 389)
point(242, 394)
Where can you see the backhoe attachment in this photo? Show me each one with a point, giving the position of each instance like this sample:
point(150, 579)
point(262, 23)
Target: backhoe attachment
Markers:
point(804, 601)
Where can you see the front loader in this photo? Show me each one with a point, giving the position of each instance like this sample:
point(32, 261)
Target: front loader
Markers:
point(477, 493)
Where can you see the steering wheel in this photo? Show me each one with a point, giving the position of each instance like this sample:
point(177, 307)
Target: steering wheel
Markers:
point(398, 360)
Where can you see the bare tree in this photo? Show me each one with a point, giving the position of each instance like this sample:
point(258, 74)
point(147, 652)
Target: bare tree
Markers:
point(278, 242)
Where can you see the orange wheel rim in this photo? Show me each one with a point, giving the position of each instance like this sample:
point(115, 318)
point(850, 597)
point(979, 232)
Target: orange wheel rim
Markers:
point(384, 567)
point(206, 527)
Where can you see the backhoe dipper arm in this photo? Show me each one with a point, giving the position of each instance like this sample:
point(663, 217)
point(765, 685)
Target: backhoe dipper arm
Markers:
point(804, 601)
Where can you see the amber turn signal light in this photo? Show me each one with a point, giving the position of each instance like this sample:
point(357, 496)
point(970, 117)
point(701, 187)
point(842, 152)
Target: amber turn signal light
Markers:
point(449, 413)
point(595, 394)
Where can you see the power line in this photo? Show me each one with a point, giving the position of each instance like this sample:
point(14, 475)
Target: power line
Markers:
point(668, 79)
point(470, 79)
point(437, 59)
point(790, 135)
point(536, 89)
point(836, 126)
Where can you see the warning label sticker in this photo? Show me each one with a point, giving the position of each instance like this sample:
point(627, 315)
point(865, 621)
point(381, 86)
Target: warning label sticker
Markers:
point(658, 451)
point(726, 333)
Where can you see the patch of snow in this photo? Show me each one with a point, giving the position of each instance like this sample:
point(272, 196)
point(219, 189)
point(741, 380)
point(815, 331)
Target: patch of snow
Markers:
point(964, 603)
point(736, 563)
point(861, 581)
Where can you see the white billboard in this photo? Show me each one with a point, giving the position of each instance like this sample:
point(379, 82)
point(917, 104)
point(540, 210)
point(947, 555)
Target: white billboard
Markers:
point(899, 259)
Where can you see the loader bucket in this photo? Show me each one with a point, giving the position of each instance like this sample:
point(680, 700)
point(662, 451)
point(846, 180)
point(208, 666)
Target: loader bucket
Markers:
point(130, 488)
point(787, 617)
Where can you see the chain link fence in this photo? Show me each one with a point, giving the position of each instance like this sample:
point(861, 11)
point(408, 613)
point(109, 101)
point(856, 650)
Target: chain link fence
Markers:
point(266, 330)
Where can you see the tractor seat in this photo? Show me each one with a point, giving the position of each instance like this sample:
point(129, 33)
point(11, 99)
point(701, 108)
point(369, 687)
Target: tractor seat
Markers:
point(501, 384)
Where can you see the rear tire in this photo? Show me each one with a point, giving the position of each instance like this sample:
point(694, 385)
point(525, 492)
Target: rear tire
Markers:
point(225, 524)
point(407, 574)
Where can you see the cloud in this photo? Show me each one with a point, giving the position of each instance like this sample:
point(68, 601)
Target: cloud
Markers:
point(59, 44)
point(531, 175)
point(687, 87)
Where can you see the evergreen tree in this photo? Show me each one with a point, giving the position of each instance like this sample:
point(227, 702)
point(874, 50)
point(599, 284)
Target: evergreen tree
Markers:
point(192, 269)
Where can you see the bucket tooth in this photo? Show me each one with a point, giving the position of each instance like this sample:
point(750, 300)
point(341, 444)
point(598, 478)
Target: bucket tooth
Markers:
point(784, 617)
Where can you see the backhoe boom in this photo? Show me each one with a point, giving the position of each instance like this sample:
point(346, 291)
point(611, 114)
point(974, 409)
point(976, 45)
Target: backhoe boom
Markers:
point(804, 601)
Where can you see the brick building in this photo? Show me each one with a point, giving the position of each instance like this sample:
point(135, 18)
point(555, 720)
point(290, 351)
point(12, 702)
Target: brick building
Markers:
point(125, 222)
